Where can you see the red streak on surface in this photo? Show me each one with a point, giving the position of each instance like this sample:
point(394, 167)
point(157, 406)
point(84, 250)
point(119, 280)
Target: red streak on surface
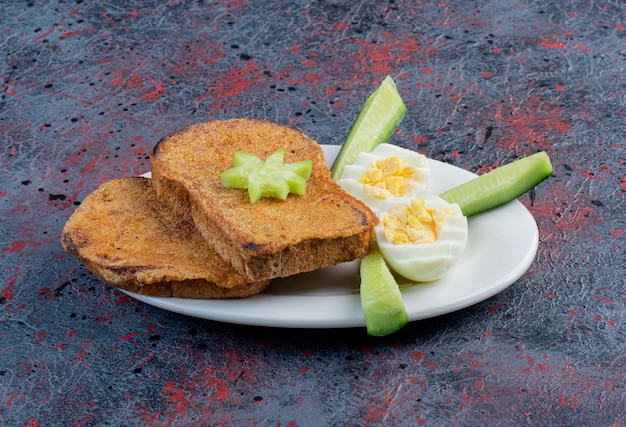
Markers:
point(46, 293)
point(312, 77)
point(534, 120)
point(20, 308)
point(551, 44)
point(234, 82)
point(156, 93)
point(409, 45)
point(604, 300)
point(83, 353)
point(123, 300)
point(9, 401)
point(57, 25)
point(418, 356)
point(84, 421)
point(151, 328)
point(128, 337)
point(591, 175)
point(69, 34)
point(15, 247)
point(572, 401)
point(237, 4)
point(7, 291)
point(419, 139)
point(176, 397)
point(542, 367)
point(380, 56)
point(134, 81)
point(41, 336)
point(119, 78)
point(433, 366)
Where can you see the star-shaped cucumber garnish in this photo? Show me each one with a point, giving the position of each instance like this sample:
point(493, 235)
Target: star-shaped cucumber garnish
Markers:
point(269, 178)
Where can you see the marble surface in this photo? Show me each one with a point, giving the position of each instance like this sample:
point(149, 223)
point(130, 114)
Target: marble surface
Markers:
point(88, 87)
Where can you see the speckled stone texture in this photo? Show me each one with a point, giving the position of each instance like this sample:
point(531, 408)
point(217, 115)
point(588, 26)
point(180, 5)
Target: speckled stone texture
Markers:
point(88, 87)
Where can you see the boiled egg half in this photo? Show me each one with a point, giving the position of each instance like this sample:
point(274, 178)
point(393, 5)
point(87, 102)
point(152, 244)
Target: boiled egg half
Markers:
point(421, 238)
point(386, 173)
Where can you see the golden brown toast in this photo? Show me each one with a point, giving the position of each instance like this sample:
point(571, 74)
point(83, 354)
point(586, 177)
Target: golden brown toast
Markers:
point(271, 238)
point(127, 238)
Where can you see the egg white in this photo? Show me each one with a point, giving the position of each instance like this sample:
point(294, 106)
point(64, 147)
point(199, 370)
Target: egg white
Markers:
point(425, 262)
point(351, 178)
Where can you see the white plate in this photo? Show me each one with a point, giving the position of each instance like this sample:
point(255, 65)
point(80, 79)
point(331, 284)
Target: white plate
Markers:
point(501, 246)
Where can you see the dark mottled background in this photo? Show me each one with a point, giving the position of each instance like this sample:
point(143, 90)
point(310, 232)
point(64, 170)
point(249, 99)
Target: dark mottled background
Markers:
point(88, 87)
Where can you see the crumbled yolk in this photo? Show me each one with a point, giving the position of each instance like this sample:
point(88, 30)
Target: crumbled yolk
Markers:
point(414, 222)
point(390, 177)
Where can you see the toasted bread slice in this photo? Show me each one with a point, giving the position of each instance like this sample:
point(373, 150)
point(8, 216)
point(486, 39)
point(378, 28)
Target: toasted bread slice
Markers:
point(271, 238)
point(127, 238)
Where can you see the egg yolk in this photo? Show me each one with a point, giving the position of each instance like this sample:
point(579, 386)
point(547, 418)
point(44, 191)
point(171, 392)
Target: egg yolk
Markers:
point(390, 177)
point(414, 223)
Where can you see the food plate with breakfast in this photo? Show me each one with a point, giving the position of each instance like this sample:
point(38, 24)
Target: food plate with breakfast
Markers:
point(501, 246)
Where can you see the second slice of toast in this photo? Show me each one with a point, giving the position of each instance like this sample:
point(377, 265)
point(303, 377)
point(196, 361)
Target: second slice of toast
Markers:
point(127, 238)
point(271, 238)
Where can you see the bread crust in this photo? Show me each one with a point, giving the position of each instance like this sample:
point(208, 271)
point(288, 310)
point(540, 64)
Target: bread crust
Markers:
point(127, 238)
point(272, 238)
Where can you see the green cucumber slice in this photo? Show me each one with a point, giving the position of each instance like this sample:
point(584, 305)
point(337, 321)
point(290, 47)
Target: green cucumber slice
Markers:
point(303, 168)
point(500, 185)
point(381, 299)
point(241, 157)
point(271, 178)
point(377, 121)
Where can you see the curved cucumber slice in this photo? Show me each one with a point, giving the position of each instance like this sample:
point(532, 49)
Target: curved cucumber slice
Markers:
point(500, 185)
point(271, 178)
point(381, 299)
point(377, 121)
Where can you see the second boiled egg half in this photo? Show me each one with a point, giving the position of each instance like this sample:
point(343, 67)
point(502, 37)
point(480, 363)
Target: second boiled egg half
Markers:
point(421, 238)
